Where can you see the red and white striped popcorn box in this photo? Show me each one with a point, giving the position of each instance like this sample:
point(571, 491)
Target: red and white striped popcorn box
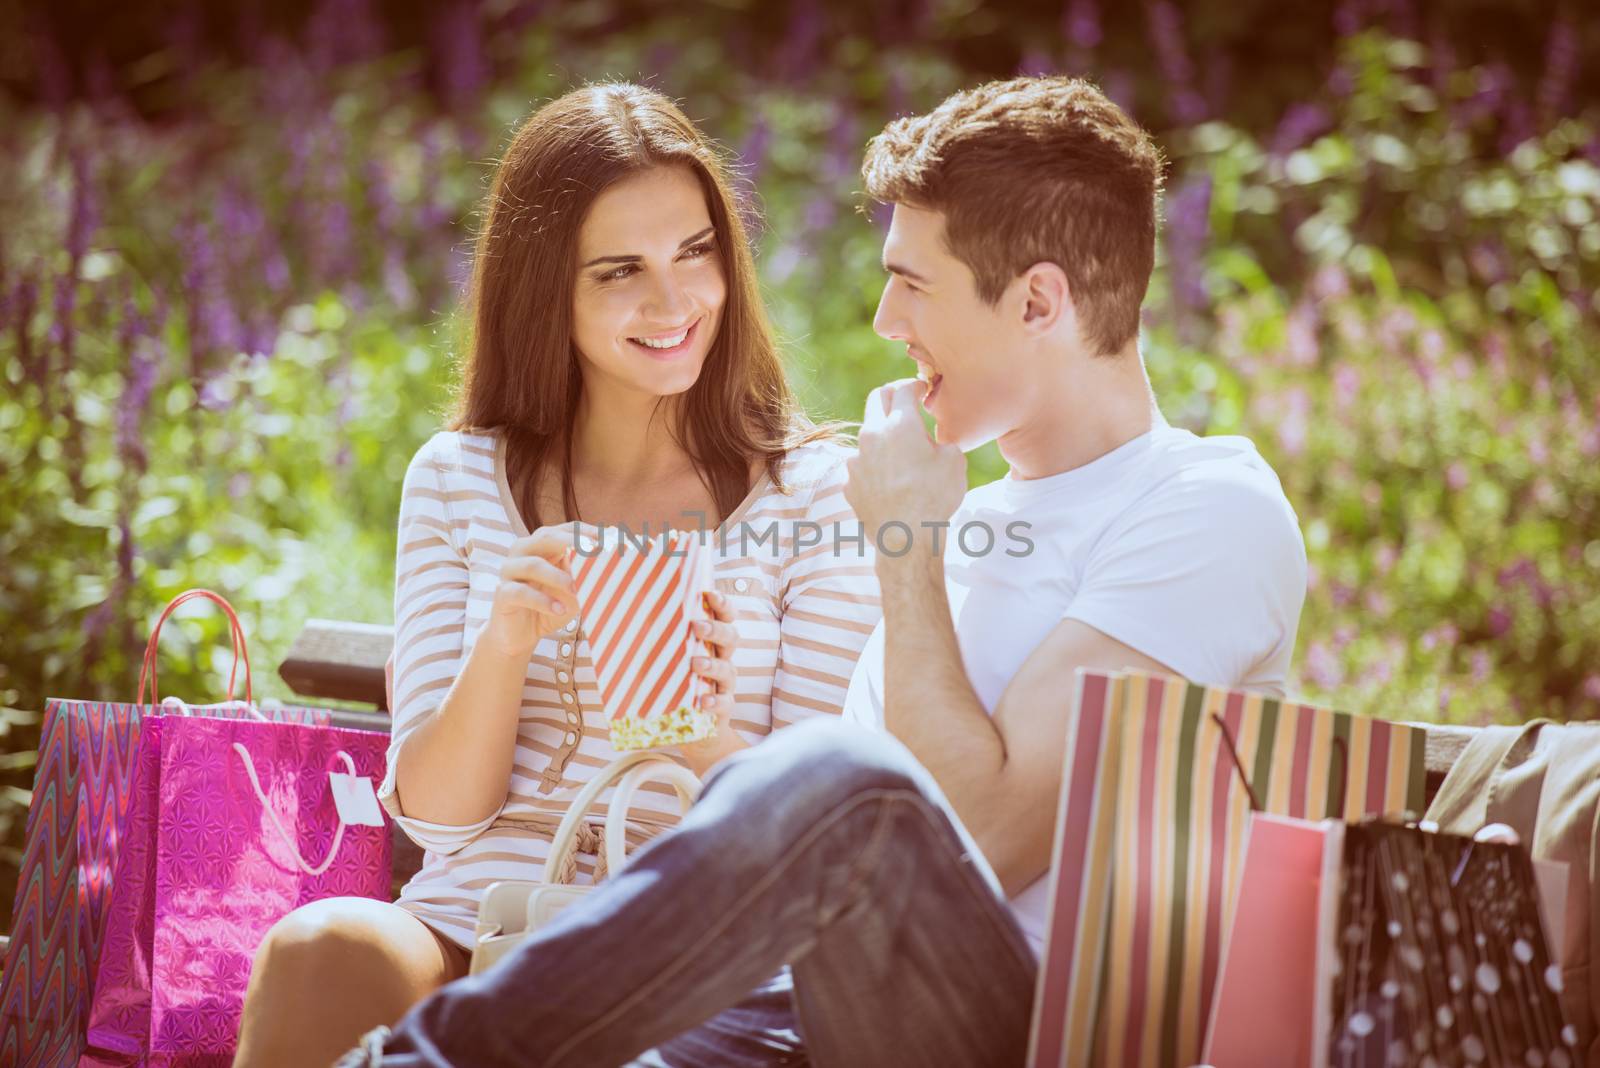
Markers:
point(637, 597)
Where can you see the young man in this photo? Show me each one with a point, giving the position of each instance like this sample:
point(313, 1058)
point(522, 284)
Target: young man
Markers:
point(847, 896)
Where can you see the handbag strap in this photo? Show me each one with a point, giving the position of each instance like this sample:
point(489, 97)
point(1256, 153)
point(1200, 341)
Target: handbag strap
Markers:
point(566, 835)
point(272, 815)
point(235, 630)
point(670, 772)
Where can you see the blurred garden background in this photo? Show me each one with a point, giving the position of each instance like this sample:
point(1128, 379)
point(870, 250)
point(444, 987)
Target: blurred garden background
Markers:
point(232, 238)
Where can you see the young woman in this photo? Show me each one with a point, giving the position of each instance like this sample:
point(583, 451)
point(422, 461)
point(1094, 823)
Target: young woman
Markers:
point(621, 370)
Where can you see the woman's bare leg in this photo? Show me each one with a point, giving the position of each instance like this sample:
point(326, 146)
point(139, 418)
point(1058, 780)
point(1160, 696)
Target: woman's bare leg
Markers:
point(333, 969)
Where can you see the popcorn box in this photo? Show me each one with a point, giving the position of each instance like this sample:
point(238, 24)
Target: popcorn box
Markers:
point(637, 596)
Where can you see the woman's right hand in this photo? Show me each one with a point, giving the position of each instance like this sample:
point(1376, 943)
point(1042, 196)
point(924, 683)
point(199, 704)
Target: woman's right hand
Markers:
point(535, 596)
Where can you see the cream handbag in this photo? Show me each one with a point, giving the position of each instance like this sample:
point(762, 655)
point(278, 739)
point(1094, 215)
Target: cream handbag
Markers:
point(512, 910)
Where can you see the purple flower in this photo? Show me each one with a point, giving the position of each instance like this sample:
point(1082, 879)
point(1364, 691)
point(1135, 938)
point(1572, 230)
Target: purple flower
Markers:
point(463, 67)
point(1188, 231)
point(343, 31)
point(753, 153)
point(1301, 124)
point(1122, 88)
point(1499, 622)
point(842, 155)
point(1165, 23)
point(95, 623)
point(275, 271)
point(1455, 475)
point(397, 281)
point(126, 551)
point(85, 209)
point(1348, 18)
point(139, 380)
point(1330, 282)
point(213, 397)
point(1301, 341)
point(1080, 24)
point(1487, 259)
point(1035, 62)
point(1322, 666)
point(820, 213)
point(1346, 385)
point(1560, 66)
point(797, 59)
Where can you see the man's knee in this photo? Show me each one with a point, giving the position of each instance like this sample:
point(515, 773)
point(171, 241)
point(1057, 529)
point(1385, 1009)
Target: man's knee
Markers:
point(824, 761)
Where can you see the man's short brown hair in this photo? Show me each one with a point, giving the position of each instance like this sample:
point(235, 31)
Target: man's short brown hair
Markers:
point(1034, 170)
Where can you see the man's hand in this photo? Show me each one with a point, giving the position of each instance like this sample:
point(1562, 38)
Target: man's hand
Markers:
point(900, 474)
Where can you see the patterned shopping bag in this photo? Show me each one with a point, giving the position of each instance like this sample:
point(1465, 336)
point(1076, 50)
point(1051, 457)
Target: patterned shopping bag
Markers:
point(1149, 848)
point(1442, 956)
point(234, 825)
point(638, 597)
point(76, 831)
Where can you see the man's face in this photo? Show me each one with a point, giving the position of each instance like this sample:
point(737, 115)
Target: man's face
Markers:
point(964, 348)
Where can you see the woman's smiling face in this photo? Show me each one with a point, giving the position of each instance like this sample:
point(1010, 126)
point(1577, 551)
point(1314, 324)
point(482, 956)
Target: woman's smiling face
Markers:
point(650, 285)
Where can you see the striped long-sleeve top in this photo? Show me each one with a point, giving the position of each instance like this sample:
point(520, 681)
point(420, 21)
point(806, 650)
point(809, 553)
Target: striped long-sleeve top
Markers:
point(792, 565)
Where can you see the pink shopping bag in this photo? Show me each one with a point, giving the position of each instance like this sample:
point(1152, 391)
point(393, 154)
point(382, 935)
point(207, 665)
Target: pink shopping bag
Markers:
point(77, 829)
point(230, 825)
point(1274, 994)
point(236, 827)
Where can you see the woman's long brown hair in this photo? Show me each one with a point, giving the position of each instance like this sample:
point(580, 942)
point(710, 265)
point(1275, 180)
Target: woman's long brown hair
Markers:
point(521, 374)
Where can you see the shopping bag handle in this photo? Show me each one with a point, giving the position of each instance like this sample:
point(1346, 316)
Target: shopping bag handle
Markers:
point(172, 704)
point(236, 632)
point(1339, 749)
point(272, 815)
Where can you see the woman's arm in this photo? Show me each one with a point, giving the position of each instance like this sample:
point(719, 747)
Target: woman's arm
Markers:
point(455, 766)
point(455, 716)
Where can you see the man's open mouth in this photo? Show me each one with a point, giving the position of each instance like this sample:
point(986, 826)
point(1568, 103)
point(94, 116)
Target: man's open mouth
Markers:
point(931, 378)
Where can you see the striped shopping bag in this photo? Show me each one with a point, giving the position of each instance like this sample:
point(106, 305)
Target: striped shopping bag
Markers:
point(637, 597)
point(1155, 801)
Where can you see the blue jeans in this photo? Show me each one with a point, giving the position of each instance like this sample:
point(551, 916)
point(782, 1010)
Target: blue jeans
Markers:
point(827, 848)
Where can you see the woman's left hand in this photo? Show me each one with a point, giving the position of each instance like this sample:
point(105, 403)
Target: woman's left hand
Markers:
point(715, 665)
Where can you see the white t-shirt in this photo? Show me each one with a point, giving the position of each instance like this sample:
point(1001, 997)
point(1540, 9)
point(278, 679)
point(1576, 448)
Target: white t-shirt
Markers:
point(1182, 547)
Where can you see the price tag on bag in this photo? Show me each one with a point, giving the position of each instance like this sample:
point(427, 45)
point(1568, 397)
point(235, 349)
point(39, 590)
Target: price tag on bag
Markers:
point(355, 799)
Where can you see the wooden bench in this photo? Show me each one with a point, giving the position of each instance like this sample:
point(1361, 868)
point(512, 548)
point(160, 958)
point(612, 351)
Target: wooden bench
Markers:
point(335, 660)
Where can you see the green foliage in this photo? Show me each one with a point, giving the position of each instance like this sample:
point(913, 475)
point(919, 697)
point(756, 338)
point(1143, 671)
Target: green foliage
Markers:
point(222, 341)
